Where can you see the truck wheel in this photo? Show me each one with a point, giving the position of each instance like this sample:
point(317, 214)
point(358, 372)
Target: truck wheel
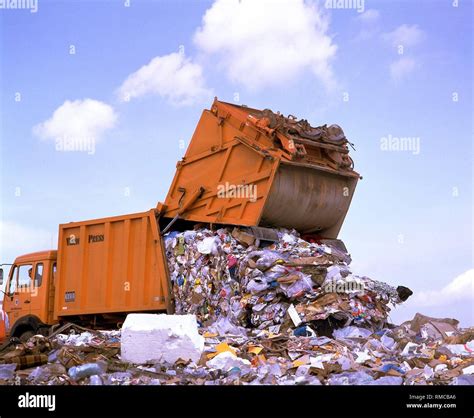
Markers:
point(44, 331)
point(26, 335)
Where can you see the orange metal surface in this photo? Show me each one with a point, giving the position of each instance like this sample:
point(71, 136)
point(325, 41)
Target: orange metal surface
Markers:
point(37, 256)
point(249, 167)
point(111, 265)
point(30, 298)
point(3, 326)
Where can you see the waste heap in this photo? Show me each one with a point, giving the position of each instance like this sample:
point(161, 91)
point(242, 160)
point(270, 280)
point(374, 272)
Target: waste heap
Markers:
point(423, 351)
point(231, 278)
point(280, 309)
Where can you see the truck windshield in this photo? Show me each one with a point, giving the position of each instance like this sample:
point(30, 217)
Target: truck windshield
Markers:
point(25, 275)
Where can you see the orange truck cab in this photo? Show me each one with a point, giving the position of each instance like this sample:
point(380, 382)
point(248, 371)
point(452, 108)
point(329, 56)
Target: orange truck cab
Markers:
point(28, 294)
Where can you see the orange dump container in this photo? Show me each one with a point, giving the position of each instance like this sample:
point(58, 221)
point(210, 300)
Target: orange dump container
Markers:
point(250, 167)
point(111, 265)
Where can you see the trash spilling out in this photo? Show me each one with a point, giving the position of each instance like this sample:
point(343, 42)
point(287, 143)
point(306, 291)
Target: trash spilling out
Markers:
point(282, 309)
point(227, 278)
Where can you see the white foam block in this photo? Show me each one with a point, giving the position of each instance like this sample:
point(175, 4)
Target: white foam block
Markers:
point(148, 338)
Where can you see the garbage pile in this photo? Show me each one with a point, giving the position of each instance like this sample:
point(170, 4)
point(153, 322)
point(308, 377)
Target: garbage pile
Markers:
point(233, 278)
point(255, 308)
point(423, 351)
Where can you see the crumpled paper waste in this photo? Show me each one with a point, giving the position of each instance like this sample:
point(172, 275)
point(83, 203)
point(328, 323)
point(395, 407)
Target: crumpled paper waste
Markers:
point(217, 277)
point(350, 356)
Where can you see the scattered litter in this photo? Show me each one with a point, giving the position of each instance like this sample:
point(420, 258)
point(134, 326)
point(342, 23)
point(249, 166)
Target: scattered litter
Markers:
point(86, 370)
point(7, 371)
point(286, 312)
point(226, 361)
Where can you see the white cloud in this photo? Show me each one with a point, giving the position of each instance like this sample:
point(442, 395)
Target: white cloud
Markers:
point(402, 67)
point(369, 23)
point(262, 43)
point(369, 16)
point(460, 289)
point(78, 120)
point(173, 77)
point(402, 37)
point(405, 35)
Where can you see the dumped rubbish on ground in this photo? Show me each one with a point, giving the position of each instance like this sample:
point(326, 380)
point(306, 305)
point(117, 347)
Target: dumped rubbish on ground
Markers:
point(352, 356)
point(274, 312)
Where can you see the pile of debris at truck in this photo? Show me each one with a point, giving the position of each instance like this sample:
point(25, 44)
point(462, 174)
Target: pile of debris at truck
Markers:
point(243, 257)
point(285, 312)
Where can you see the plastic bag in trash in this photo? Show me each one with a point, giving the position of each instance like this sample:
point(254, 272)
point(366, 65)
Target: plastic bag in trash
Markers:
point(86, 370)
point(224, 326)
point(302, 285)
point(7, 371)
point(351, 332)
point(39, 374)
point(227, 360)
point(95, 380)
point(351, 378)
point(208, 245)
point(267, 259)
point(462, 349)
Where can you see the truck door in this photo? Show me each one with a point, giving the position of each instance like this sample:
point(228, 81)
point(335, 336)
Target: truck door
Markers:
point(19, 292)
point(37, 307)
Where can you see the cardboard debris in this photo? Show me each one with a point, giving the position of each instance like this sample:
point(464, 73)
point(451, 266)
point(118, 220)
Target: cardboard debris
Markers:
point(352, 355)
point(280, 312)
point(219, 274)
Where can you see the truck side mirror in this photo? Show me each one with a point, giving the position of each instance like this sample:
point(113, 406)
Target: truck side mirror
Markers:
point(1, 276)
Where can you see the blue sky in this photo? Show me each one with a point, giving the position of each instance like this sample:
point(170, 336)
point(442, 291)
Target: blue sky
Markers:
point(136, 76)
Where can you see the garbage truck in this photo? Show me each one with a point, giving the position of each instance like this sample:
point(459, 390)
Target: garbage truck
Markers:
point(245, 167)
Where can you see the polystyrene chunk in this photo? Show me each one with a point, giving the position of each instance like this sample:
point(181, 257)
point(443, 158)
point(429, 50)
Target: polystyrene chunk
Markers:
point(149, 338)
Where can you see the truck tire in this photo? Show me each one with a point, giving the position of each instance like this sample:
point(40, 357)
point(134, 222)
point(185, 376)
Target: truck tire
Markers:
point(25, 327)
point(44, 331)
point(26, 335)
